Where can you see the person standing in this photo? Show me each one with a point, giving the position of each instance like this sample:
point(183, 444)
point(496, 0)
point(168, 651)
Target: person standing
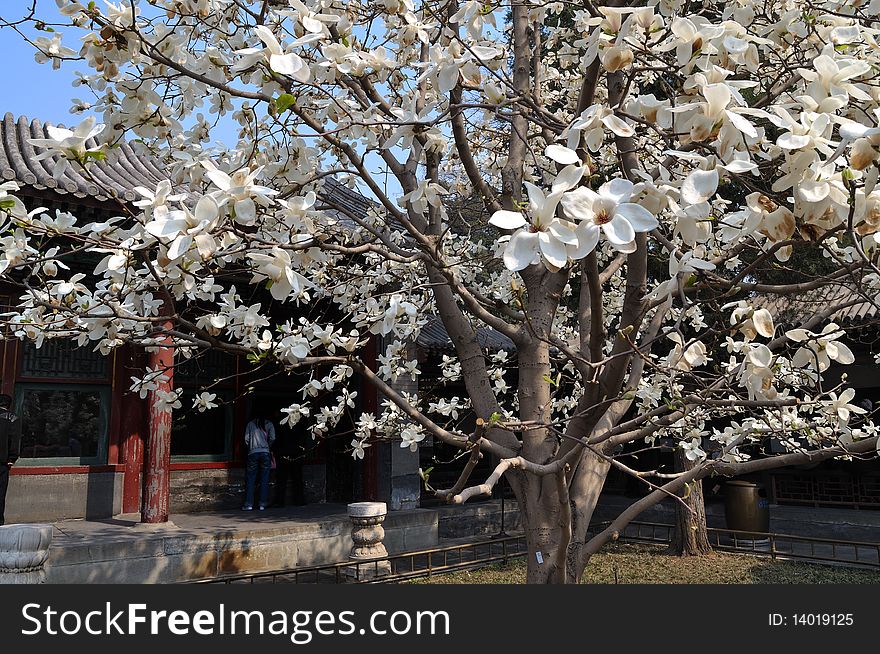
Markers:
point(258, 437)
point(10, 446)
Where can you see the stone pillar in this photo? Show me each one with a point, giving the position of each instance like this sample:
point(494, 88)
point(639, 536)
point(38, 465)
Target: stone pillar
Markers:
point(23, 553)
point(367, 534)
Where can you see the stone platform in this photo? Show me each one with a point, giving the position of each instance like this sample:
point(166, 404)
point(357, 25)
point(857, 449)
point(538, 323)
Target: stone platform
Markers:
point(202, 545)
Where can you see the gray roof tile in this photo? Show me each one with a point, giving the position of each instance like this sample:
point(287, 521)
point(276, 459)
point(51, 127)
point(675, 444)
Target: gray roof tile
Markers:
point(116, 176)
point(795, 309)
point(433, 336)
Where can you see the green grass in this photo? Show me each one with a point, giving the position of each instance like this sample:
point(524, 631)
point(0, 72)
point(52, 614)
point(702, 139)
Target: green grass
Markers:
point(646, 564)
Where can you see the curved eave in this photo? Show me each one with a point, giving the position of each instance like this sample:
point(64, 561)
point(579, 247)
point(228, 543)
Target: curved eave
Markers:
point(114, 178)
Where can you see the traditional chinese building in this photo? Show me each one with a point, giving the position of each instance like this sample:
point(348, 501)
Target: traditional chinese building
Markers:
point(845, 483)
point(87, 438)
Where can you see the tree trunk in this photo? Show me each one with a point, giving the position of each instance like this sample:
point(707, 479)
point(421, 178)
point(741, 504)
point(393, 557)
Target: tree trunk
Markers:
point(544, 534)
point(586, 485)
point(555, 534)
point(689, 538)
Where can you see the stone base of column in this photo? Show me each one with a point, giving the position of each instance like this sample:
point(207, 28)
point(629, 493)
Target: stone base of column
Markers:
point(23, 553)
point(367, 571)
point(367, 534)
point(155, 526)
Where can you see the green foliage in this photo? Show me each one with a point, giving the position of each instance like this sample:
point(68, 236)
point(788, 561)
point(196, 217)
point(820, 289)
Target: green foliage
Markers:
point(258, 357)
point(553, 382)
point(284, 102)
point(96, 155)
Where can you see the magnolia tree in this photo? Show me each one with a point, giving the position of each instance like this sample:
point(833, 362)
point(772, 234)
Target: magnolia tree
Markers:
point(716, 139)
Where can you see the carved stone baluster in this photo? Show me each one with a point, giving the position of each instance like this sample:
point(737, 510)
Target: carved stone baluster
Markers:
point(367, 534)
point(23, 553)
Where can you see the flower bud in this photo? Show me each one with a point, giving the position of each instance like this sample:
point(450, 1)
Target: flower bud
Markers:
point(493, 94)
point(862, 154)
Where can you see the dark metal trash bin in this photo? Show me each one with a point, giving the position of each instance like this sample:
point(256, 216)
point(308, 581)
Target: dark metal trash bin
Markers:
point(746, 507)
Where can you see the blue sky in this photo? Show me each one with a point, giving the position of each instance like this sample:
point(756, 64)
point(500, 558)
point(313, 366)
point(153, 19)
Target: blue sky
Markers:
point(31, 89)
point(38, 91)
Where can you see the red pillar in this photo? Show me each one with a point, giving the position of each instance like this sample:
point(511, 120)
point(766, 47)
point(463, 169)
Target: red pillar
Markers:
point(132, 431)
point(127, 427)
point(158, 454)
point(132, 455)
point(8, 371)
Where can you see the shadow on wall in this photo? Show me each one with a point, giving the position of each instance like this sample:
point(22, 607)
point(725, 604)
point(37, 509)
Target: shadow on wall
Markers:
point(220, 490)
point(101, 492)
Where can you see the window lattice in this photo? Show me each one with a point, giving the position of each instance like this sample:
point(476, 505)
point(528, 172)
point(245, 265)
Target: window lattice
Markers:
point(63, 360)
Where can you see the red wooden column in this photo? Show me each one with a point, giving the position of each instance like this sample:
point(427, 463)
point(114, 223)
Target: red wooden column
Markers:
point(132, 429)
point(10, 347)
point(132, 454)
point(158, 455)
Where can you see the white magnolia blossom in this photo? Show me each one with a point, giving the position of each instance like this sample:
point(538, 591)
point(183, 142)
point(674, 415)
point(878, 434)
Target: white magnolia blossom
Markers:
point(11, 205)
point(167, 401)
point(397, 307)
point(556, 241)
point(358, 448)
point(450, 368)
point(280, 61)
point(204, 401)
point(751, 322)
point(680, 266)
point(610, 209)
point(69, 144)
point(547, 237)
point(693, 449)
point(411, 436)
point(757, 373)
point(839, 407)
point(819, 350)
point(686, 355)
point(294, 413)
point(151, 382)
point(590, 127)
point(52, 50)
point(447, 407)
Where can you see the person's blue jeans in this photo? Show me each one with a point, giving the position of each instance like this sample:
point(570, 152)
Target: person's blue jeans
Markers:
point(258, 465)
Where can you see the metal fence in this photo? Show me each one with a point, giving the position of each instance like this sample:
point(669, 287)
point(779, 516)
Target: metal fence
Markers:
point(408, 565)
point(464, 556)
point(807, 548)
